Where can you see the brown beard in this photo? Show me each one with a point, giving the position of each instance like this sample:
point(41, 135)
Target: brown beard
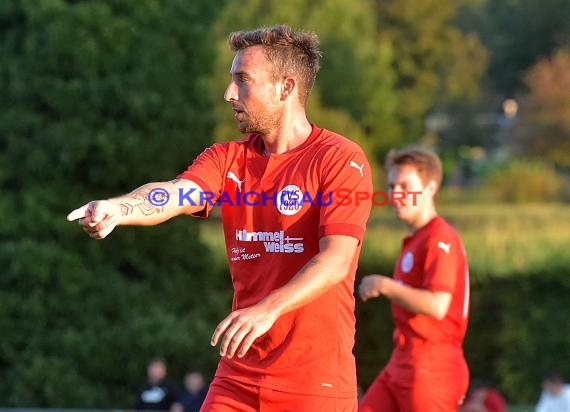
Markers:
point(263, 124)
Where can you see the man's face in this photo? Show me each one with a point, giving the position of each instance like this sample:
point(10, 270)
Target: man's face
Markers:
point(194, 382)
point(255, 98)
point(156, 371)
point(479, 395)
point(405, 179)
point(554, 388)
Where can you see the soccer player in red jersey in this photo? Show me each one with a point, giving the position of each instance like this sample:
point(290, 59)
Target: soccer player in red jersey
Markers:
point(484, 398)
point(292, 250)
point(429, 294)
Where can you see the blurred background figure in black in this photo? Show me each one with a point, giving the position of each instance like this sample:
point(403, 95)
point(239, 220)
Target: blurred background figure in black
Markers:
point(194, 391)
point(158, 393)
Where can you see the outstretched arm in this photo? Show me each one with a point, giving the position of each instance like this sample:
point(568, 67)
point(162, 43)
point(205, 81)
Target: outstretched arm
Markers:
point(148, 205)
point(329, 267)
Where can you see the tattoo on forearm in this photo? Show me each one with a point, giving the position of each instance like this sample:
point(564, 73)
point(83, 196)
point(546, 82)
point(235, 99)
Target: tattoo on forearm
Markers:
point(140, 201)
point(126, 209)
point(313, 262)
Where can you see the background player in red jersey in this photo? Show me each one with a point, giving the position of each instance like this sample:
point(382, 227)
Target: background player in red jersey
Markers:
point(483, 397)
point(429, 293)
point(287, 344)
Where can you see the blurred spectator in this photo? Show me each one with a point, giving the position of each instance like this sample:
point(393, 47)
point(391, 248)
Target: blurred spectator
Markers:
point(483, 398)
point(157, 393)
point(555, 396)
point(194, 391)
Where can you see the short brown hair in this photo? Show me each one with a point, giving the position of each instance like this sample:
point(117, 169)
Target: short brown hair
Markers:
point(289, 52)
point(426, 162)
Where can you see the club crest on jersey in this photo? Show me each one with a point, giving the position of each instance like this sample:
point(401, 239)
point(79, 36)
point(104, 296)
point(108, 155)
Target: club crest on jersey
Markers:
point(407, 262)
point(289, 200)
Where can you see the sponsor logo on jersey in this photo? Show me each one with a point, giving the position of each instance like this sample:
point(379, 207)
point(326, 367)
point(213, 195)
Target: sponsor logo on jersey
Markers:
point(274, 242)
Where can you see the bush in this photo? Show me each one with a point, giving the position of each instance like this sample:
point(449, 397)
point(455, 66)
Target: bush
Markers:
point(519, 331)
point(97, 99)
point(526, 181)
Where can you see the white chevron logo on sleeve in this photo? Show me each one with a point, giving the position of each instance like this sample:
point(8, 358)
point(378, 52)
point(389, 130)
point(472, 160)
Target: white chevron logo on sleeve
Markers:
point(359, 167)
point(446, 247)
point(232, 176)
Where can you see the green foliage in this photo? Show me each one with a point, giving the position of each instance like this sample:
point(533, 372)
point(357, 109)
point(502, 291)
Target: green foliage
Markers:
point(98, 98)
point(434, 61)
point(543, 130)
point(470, 124)
point(522, 408)
point(526, 42)
point(525, 181)
point(519, 331)
point(374, 331)
point(517, 34)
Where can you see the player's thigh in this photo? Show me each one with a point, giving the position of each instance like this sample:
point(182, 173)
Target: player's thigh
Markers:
point(227, 395)
point(378, 397)
point(276, 401)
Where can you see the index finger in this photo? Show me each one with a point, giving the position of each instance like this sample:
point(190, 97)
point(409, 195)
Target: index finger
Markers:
point(220, 329)
point(77, 213)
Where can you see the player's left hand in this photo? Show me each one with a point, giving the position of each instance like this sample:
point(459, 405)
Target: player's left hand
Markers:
point(241, 328)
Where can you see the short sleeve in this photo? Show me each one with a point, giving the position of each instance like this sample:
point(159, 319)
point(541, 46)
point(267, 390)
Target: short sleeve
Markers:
point(441, 262)
point(207, 171)
point(347, 188)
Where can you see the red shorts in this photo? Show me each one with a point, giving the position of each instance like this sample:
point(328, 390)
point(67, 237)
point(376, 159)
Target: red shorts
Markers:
point(429, 391)
point(228, 395)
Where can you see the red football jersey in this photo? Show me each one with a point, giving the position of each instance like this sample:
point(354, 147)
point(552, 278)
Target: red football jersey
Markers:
point(274, 210)
point(433, 258)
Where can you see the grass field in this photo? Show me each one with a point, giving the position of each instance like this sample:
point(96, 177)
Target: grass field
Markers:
point(500, 239)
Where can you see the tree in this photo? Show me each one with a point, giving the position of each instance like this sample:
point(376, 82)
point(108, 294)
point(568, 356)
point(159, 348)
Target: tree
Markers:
point(98, 98)
point(435, 62)
point(517, 34)
point(544, 126)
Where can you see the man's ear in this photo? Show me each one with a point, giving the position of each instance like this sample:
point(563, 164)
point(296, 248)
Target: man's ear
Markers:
point(288, 86)
point(432, 187)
